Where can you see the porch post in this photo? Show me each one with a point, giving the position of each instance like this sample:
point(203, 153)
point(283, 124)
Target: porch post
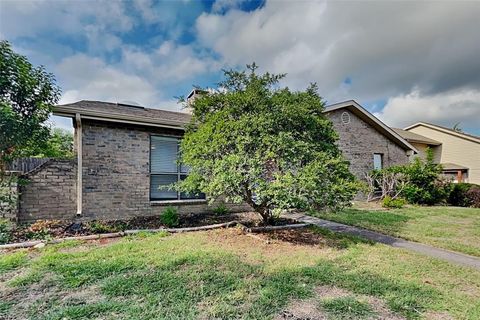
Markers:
point(459, 176)
point(78, 136)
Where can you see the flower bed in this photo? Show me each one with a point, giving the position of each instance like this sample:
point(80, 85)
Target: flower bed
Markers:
point(55, 229)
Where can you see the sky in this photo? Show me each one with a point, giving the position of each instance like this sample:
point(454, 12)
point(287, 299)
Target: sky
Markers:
point(404, 61)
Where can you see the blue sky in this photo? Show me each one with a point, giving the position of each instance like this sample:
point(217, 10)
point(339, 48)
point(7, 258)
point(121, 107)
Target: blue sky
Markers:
point(403, 61)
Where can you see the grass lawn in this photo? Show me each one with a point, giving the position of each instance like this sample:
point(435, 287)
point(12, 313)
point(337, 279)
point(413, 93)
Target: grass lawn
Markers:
point(452, 228)
point(225, 274)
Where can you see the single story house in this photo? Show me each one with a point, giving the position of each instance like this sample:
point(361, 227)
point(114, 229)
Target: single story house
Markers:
point(457, 152)
point(125, 152)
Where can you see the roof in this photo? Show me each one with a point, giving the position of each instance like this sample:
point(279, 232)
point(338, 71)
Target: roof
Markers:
point(124, 113)
point(452, 166)
point(462, 135)
point(413, 137)
point(369, 118)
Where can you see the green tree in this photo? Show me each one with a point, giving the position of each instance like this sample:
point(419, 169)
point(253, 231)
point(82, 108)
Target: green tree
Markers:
point(27, 94)
point(270, 147)
point(58, 145)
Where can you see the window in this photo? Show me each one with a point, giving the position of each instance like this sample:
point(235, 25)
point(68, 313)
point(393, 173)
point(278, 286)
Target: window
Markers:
point(164, 169)
point(377, 161)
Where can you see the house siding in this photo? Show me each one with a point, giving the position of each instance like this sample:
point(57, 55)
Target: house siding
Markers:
point(358, 141)
point(454, 150)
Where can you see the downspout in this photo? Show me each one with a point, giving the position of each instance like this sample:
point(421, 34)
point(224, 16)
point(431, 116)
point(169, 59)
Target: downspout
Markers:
point(78, 129)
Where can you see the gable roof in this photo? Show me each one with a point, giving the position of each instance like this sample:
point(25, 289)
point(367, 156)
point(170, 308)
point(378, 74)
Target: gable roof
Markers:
point(452, 132)
point(413, 137)
point(117, 112)
point(369, 118)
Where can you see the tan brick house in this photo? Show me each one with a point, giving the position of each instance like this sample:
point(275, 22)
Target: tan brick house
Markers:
point(124, 153)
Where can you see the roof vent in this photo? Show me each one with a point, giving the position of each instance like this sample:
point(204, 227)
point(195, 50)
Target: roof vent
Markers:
point(345, 117)
point(131, 104)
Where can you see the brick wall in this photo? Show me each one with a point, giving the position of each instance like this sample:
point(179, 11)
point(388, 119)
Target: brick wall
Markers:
point(50, 192)
point(116, 172)
point(359, 141)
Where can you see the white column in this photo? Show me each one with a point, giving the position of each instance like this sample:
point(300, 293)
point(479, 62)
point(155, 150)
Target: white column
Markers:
point(78, 136)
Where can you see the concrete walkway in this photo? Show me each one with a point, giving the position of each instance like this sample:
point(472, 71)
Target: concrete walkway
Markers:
point(451, 256)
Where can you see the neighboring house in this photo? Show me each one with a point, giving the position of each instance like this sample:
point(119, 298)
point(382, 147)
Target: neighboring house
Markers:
point(125, 153)
point(457, 152)
point(365, 141)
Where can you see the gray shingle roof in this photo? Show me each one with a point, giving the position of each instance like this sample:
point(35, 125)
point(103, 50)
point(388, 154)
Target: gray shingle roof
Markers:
point(123, 112)
point(414, 137)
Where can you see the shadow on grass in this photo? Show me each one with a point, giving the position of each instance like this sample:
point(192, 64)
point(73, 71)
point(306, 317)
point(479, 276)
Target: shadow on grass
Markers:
point(218, 285)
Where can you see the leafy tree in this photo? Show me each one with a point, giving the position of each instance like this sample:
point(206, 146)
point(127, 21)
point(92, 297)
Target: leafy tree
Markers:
point(58, 145)
point(270, 147)
point(27, 94)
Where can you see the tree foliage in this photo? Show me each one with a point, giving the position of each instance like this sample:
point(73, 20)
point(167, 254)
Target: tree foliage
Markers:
point(418, 182)
point(270, 147)
point(58, 145)
point(27, 94)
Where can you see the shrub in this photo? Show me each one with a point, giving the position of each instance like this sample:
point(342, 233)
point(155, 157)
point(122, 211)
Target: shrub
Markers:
point(458, 195)
point(389, 202)
point(221, 209)
point(5, 231)
point(473, 196)
point(424, 184)
point(169, 217)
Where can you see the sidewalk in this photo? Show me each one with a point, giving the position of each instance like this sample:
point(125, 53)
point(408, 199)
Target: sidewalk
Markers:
point(451, 256)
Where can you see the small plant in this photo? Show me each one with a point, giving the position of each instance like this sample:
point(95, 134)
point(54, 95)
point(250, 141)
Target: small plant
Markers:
point(5, 231)
point(169, 217)
point(221, 209)
point(397, 203)
point(100, 227)
point(42, 229)
point(347, 308)
point(462, 196)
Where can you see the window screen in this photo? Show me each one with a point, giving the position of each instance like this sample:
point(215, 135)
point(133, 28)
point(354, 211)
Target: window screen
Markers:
point(377, 161)
point(165, 170)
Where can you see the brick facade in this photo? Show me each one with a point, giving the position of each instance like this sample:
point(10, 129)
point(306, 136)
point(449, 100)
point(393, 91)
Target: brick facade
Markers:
point(50, 192)
point(116, 178)
point(359, 141)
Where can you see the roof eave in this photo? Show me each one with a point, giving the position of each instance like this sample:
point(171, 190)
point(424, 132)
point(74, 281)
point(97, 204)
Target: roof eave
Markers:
point(66, 111)
point(444, 130)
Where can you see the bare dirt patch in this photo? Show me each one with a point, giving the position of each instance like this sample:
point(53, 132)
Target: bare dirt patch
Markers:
point(310, 309)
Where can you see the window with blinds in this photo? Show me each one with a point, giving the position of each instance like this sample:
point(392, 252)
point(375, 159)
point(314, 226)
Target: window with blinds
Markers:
point(165, 170)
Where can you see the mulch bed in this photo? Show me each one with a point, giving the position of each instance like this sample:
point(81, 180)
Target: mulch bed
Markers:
point(53, 229)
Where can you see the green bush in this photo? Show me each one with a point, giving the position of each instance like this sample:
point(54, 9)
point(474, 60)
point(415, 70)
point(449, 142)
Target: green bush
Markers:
point(458, 196)
point(474, 196)
point(396, 203)
point(221, 209)
point(169, 217)
point(424, 184)
point(5, 231)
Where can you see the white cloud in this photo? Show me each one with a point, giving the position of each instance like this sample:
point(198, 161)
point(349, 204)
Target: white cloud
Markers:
point(169, 63)
point(91, 78)
point(386, 48)
point(447, 108)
